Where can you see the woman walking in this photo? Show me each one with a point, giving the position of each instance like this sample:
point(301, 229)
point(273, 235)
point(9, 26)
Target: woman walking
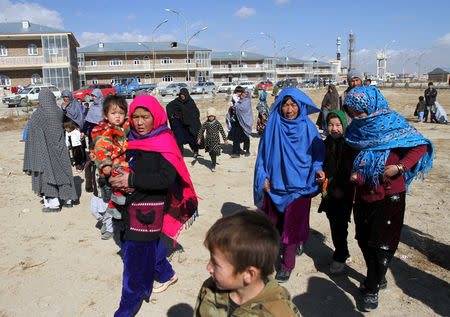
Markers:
point(184, 118)
point(390, 154)
point(46, 158)
point(241, 127)
point(288, 169)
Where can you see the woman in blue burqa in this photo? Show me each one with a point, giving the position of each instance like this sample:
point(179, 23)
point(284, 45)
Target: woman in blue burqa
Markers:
point(240, 128)
point(288, 171)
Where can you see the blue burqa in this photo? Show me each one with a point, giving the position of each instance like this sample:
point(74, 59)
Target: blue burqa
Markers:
point(95, 113)
point(74, 109)
point(289, 154)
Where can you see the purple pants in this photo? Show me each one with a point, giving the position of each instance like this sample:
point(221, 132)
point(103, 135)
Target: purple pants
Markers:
point(293, 225)
point(143, 262)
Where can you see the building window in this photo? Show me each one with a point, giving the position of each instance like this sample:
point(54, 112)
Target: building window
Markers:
point(148, 76)
point(223, 66)
point(93, 62)
point(36, 79)
point(167, 78)
point(136, 61)
point(187, 77)
point(53, 49)
point(146, 58)
point(3, 50)
point(5, 80)
point(94, 81)
point(32, 49)
point(115, 62)
point(166, 60)
point(187, 61)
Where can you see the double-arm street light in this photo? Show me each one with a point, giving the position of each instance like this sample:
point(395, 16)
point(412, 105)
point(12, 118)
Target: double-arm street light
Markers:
point(240, 57)
point(270, 37)
point(187, 40)
point(153, 48)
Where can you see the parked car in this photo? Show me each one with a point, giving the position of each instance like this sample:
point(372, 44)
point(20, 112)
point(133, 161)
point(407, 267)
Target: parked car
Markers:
point(128, 87)
point(85, 92)
point(31, 93)
point(265, 84)
point(280, 84)
point(291, 82)
point(248, 85)
point(174, 89)
point(309, 83)
point(204, 87)
point(225, 86)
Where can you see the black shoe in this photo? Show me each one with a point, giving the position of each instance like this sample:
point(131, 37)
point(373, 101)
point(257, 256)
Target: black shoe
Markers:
point(370, 301)
point(282, 275)
point(247, 153)
point(299, 250)
point(382, 286)
point(235, 155)
point(68, 205)
point(89, 190)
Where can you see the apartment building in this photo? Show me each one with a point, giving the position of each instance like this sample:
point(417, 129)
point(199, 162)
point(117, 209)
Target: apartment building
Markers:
point(160, 63)
point(36, 54)
point(311, 69)
point(229, 67)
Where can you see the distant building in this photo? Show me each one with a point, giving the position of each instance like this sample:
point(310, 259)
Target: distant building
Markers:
point(229, 67)
point(36, 54)
point(439, 74)
point(107, 62)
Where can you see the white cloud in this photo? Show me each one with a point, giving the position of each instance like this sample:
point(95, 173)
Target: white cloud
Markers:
point(245, 12)
point(33, 12)
point(442, 41)
point(278, 2)
point(166, 38)
point(130, 16)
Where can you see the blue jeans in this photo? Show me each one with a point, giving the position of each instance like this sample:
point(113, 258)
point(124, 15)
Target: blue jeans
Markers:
point(421, 116)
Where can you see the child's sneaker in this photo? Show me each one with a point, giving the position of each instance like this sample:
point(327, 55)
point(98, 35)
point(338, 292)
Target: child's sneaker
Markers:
point(114, 213)
point(161, 287)
point(107, 235)
point(370, 301)
point(213, 169)
point(120, 200)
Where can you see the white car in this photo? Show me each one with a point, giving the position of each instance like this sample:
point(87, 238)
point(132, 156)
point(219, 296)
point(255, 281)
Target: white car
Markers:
point(225, 86)
point(30, 92)
point(248, 85)
point(202, 88)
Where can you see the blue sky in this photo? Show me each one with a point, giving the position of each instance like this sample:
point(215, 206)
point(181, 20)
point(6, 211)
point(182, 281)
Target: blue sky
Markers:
point(308, 27)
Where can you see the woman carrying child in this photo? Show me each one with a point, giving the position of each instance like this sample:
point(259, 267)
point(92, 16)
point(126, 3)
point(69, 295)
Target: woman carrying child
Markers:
point(162, 201)
point(212, 140)
point(337, 191)
point(263, 112)
point(390, 154)
point(288, 168)
point(110, 139)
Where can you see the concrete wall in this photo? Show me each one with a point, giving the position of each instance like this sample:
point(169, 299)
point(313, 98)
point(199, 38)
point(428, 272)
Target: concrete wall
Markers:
point(21, 77)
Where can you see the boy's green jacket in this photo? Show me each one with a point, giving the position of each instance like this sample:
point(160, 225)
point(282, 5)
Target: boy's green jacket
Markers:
point(273, 301)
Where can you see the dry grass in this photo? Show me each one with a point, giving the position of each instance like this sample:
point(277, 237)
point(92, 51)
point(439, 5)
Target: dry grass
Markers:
point(12, 123)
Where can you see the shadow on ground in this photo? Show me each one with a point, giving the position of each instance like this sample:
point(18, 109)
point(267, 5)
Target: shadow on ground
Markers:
point(229, 208)
point(180, 310)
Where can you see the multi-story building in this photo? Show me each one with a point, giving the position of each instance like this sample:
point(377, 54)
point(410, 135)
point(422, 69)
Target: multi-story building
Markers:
point(160, 63)
point(37, 54)
point(229, 66)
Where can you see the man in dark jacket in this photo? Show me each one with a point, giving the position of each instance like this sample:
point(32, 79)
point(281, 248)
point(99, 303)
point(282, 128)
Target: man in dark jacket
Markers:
point(430, 98)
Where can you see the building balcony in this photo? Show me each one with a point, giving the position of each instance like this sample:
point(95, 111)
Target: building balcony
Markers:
point(23, 62)
point(241, 70)
point(143, 67)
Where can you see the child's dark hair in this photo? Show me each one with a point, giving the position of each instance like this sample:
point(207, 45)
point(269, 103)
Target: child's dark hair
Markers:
point(69, 124)
point(246, 238)
point(430, 83)
point(111, 100)
point(332, 115)
point(239, 89)
point(421, 98)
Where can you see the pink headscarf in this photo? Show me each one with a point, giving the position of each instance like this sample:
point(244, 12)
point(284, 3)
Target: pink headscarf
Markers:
point(181, 201)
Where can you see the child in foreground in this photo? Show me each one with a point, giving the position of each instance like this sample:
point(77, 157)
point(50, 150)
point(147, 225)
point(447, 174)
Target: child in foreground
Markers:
point(243, 247)
point(212, 140)
point(110, 139)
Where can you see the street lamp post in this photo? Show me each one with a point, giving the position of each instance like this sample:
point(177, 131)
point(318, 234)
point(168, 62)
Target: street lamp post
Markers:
point(153, 48)
point(240, 57)
point(187, 40)
point(279, 53)
point(274, 51)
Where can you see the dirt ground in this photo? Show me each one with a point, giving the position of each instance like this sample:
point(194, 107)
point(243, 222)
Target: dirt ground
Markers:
point(57, 265)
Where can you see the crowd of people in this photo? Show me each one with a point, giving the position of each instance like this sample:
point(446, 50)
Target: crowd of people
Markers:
point(363, 163)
